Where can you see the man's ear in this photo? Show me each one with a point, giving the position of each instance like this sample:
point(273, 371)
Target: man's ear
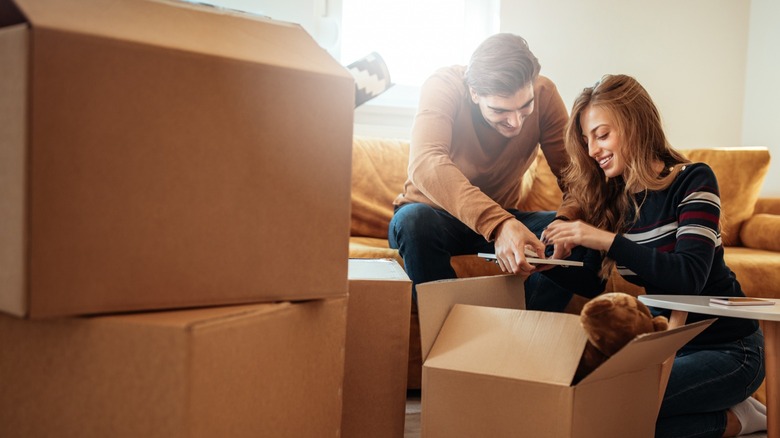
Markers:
point(474, 95)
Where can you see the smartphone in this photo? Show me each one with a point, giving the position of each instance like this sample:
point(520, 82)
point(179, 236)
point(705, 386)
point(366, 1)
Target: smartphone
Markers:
point(741, 301)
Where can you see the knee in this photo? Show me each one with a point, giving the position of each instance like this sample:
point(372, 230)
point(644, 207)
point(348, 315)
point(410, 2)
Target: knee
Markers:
point(413, 222)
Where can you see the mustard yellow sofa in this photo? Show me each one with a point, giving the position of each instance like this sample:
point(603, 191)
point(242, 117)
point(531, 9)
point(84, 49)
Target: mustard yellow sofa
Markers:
point(750, 228)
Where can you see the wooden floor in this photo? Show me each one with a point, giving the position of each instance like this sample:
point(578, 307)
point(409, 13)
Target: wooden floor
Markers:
point(413, 408)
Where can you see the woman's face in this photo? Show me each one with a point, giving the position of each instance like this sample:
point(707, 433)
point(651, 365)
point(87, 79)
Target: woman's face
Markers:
point(603, 139)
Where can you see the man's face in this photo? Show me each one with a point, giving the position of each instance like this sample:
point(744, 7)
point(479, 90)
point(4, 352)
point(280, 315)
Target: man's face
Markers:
point(506, 114)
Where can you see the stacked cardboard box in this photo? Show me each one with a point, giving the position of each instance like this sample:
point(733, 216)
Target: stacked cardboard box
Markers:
point(159, 155)
point(165, 159)
point(238, 371)
point(377, 355)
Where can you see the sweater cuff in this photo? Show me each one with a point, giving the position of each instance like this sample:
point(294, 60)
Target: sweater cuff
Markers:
point(619, 248)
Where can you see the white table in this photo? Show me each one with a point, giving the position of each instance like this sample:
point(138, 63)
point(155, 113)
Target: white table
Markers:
point(682, 304)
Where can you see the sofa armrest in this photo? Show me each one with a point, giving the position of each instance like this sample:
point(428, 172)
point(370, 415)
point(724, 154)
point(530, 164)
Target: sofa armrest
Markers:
point(767, 205)
point(761, 231)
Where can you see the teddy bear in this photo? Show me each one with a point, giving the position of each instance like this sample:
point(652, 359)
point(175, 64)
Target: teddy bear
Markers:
point(611, 321)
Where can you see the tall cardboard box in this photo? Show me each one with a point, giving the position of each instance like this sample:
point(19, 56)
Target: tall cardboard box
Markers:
point(501, 371)
point(156, 154)
point(377, 354)
point(263, 370)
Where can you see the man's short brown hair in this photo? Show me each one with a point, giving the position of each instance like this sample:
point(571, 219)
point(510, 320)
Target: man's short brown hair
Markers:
point(501, 65)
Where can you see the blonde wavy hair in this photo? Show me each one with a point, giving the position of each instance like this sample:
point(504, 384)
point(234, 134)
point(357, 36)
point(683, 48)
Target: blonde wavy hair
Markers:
point(610, 203)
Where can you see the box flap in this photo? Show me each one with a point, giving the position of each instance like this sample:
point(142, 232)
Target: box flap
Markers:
point(647, 349)
point(517, 344)
point(187, 27)
point(376, 269)
point(436, 298)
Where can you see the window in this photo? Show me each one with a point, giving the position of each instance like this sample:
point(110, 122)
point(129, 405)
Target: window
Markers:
point(415, 37)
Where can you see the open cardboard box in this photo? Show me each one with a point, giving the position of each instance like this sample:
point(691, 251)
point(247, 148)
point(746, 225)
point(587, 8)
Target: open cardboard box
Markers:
point(492, 369)
point(160, 154)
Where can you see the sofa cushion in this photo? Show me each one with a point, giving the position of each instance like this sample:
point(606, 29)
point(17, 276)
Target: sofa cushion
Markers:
point(378, 176)
point(740, 173)
point(761, 231)
point(769, 205)
point(540, 191)
point(372, 248)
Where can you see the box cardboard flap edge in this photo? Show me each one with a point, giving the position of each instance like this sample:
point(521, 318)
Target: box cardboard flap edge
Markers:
point(188, 27)
point(647, 349)
point(436, 298)
point(522, 345)
point(376, 269)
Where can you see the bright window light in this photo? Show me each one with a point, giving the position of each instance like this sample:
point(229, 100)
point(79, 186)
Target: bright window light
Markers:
point(415, 37)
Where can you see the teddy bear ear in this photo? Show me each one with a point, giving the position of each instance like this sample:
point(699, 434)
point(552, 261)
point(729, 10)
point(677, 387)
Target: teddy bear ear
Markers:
point(660, 323)
point(596, 305)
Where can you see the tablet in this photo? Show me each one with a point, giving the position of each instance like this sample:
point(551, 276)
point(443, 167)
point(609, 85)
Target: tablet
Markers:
point(535, 260)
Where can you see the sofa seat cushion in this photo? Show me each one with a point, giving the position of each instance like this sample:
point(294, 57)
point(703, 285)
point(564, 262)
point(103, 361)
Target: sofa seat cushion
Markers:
point(758, 271)
point(372, 248)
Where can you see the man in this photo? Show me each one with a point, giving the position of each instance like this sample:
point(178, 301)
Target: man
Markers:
point(475, 134)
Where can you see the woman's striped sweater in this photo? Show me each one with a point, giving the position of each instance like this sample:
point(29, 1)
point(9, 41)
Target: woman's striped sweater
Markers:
point(675, 247)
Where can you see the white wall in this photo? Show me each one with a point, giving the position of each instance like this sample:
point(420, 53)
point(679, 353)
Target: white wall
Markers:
point(710, 65)
point(690, 55)
point(761, 117)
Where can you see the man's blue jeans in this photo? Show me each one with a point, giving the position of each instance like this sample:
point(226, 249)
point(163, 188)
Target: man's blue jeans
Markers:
point(706, 381)
point(427, 237)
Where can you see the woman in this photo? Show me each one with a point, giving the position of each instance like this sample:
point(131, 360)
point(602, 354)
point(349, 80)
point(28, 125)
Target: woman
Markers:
point(649, 211)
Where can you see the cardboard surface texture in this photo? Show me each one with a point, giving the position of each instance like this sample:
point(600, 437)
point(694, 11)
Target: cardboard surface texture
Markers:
point(238, 371)
point(376, 363)
point(159, 154)
point(496, 370)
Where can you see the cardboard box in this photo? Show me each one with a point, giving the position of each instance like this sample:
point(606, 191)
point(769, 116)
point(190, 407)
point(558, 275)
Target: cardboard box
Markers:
point(499, 371)
point(240, 371)
point(376, 364)
point(158, 154)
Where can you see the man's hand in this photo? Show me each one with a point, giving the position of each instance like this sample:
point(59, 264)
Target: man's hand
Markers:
point(512, 239)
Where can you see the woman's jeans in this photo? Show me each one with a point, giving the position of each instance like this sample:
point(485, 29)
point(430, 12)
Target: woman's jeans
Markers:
point(705, 382)
point(427, 237)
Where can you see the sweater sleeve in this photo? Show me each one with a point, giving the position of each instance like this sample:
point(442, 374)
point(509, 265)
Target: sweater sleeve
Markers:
point(675, 254)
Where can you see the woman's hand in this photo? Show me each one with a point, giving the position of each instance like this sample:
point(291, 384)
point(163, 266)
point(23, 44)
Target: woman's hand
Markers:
point(566, 235)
